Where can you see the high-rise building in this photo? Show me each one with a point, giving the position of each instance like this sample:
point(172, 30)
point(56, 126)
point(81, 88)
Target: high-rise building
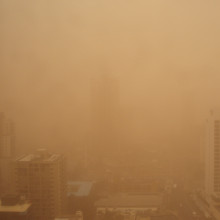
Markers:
point(105, 117)
point(7, 154)
point(212, 156)
point(40, 177)
point(7, 137)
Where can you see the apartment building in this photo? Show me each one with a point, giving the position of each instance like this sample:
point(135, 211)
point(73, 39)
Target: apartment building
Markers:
point(40, 177)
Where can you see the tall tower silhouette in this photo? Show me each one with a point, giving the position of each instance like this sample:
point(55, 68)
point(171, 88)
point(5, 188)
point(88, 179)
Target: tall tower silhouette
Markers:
point(104, 118)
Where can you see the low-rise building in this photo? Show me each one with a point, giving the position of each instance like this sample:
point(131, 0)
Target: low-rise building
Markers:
point(81, 197)
point(129, 203)
point(14, 207)
point(77, 216)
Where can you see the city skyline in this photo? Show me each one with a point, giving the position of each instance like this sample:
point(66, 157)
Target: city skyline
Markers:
point(121, 99)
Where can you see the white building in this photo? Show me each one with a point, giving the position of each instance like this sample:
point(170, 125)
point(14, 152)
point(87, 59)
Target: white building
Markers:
point(212, 156)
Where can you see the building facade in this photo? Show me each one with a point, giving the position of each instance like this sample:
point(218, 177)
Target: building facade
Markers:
point(41, 178)
point(212, 156)
point(7, 154)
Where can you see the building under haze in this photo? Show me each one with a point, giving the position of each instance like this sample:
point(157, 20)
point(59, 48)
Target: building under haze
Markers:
point(14, 207)
point(132, 202)
point(40, 177)
point(212, 154)
point(105, 117)
point(7, 153)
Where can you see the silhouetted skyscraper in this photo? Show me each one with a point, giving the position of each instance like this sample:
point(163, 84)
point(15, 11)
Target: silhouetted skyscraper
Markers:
point(105, 117)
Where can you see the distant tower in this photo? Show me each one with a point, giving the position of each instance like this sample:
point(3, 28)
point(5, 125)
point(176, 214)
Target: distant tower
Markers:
point(212, 155)
point(7, 153)
point(105, 117)
point(41, 178)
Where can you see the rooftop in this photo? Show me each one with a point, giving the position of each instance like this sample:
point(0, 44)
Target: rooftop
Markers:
point(19, 208)
point(79, 188)
point(64, 218)
point(41, 155)
point(130, 201)
point(69, 217)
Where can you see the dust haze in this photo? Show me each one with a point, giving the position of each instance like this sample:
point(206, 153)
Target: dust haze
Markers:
point(164, 56)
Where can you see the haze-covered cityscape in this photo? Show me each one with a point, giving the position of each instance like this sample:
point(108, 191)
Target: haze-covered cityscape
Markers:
point(109, 110)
